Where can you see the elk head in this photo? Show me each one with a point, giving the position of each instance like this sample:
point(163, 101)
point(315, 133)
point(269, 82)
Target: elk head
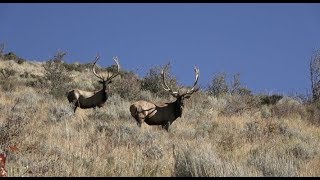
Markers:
point(106, 80)
point(180, 96)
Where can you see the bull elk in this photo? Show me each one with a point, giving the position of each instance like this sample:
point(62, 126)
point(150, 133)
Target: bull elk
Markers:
point(162, 114)
point(92, 99)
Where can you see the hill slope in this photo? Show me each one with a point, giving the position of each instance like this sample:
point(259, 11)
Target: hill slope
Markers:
point(227, 136)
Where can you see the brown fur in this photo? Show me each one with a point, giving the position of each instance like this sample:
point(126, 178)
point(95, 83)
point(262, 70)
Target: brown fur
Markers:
point(92, 99)
point(162, 114)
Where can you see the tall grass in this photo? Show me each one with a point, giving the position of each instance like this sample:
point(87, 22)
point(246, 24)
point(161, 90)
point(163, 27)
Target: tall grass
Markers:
point(41, 136)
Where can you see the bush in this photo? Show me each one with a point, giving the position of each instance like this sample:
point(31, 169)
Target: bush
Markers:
point(303, 151)
point(56, 76)
point(13, 126)
point(11, 129)
point(6, 81)
point(237, 88)
point(10, 56)
point(2, 46)
point(7, 72)
point(154, 152)
point(238, 104)
point(203, 161)
point(273, 163)
point(313, 113)
point(59, 113)
point(270, 100)
point(14, 57)
point(153, 82)
point(37, 82)
point(287, 107)
point(315, 75)
point(77, 67)
point(218, 86)
point(128, 86)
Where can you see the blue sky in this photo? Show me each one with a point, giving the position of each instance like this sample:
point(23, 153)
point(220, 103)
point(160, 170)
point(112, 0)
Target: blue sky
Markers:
point(270, 45)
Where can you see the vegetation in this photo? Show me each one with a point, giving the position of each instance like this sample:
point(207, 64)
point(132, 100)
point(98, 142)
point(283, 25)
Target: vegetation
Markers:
point(56, 76)
point(152, 81)
point(9, 55)
point(221, 133)
point(315, 75)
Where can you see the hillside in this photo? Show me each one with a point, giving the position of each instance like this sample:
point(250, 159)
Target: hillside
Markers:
point(230, 135)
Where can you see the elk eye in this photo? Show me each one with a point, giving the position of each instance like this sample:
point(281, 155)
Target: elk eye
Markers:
point(109, 82)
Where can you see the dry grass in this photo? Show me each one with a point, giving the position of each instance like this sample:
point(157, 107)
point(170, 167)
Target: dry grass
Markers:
point(41, 136)
point(29, 67)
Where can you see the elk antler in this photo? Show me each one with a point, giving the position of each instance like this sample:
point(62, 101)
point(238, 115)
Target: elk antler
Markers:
point(192, 90)
point(164, 85)
point(112, 75)
point(94, 64)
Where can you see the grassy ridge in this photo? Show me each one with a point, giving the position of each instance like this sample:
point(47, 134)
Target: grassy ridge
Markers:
point(225, 136)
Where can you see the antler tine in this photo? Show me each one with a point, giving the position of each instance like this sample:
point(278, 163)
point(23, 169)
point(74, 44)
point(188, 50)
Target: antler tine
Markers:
point(113, 75)
point(164, 84)
point(192, 90)
point(93, 66)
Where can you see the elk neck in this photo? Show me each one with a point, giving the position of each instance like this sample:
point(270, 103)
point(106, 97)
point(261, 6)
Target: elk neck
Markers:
point(104, 91)
point(178, 107)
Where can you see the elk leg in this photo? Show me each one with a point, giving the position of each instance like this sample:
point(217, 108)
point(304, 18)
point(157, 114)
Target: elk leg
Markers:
point(74, 106)
point(139, 118)
point(139, 122)
point(77, 104)
point(166, 126)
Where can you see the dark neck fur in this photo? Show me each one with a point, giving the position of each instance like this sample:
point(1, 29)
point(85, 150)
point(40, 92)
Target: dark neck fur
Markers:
point(104, 90)
point(177, 109)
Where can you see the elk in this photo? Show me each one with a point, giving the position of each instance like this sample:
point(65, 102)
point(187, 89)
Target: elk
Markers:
point(93, 99)
point(162, 114)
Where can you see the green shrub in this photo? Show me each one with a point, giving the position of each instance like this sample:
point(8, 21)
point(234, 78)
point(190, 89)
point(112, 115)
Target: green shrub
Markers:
point(238, 104)
point(6, 81)
point(152, 81)
point(128, 86)
point(287, 107)
point(56, 76)
point(315, 75)
point(38, 82)
point(313, 112)
point(7, 72)
point(14, 57)
point(2, 47)
point(218, 86)
point(270, 100)
point(77, 67)
point(273, 163)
